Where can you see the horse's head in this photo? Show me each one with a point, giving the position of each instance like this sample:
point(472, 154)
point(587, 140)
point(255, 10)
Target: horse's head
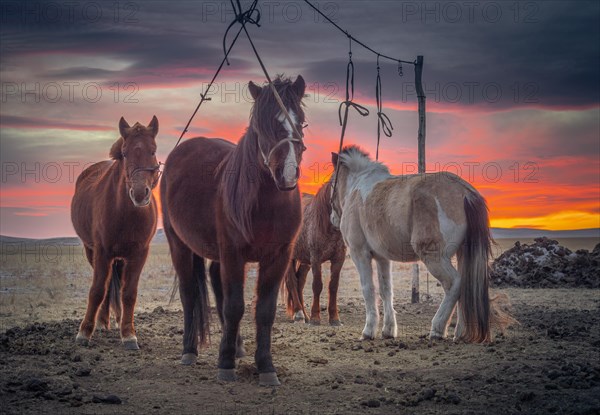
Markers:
point(136, 149)
point(279, 148)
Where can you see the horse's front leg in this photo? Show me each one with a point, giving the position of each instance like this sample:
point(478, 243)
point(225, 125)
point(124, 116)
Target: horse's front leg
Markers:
point(95, 297)
point(317, 288)
point(232, 286)
point(271, 272)
point(362, 261)
point(131, 277)
point(390, 328)
point(334, 282)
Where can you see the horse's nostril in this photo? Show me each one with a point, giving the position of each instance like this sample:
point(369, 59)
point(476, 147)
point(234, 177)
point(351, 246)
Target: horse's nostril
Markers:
point(147, 192)
point(297, 172)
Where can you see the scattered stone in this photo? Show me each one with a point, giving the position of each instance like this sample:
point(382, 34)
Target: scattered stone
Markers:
point(427, 394)
point(35, 385)
point(109, 399)
point(526, 396)
point(371, 403)
point(83, 371)
point(318, 360)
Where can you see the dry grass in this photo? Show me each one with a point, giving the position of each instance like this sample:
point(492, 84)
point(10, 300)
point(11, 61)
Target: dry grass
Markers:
point(45, 283)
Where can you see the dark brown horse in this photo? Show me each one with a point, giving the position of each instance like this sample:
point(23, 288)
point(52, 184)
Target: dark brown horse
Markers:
point(236, 204)
point(114, 213)
point(317, 242)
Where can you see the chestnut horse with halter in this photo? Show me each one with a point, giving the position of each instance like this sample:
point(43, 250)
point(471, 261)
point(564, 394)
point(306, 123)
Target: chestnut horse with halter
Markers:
point(235, 204)
point(114, 213)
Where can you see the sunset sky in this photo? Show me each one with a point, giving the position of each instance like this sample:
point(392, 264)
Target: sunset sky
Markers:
point(513, 97)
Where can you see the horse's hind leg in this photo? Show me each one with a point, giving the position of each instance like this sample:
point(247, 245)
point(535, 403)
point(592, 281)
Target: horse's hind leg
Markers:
point(386, 291)
point(131, 278)
point(232, 280)
point(215, 280)
point(96, 296)
point(362, 260)
point(112, 299)
point(317, 287)
point(270, 275)
point(295, 309)
point(448, 276)
point(334, 283)
point(181, 256)
point(301, 275)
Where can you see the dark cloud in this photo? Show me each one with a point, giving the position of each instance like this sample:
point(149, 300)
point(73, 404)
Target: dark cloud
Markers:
point(493, 55)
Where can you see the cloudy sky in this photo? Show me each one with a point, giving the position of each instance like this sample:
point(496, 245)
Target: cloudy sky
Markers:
point(512, 93)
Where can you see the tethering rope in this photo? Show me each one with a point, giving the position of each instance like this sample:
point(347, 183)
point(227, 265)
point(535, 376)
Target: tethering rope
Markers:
point(383, 122)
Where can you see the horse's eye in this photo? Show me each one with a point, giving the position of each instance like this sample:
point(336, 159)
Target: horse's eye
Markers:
point(154, 153)
point(124, 155)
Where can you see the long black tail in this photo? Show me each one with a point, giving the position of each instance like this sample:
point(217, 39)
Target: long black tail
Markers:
point(201, 319)
point(114, 290)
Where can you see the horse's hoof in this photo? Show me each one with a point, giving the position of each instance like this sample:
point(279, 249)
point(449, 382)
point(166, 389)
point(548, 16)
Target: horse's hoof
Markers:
point(240, 352)
point(82, 340)
point(367, 337)
point(188, 359)
point(387, 336)
point(299, 316)
point(130, 343)
point(336, 323)
point(226, 375)
point(268, 379)
point(315, 322)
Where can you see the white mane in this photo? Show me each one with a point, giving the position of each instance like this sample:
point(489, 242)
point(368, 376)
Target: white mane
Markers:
point(359, 162)
point(364, 173)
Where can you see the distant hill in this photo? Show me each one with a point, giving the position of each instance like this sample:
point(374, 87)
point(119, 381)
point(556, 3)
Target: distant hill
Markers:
point(29, 241)
point(528, 233)
point(497, 233)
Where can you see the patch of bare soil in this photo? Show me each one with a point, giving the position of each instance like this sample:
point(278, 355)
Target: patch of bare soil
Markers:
point(546, 264)
point(548, 364)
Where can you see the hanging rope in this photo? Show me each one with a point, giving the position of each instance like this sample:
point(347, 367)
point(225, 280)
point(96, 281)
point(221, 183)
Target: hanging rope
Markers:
point(203, 96)
point(346, 105)
point(383, 121)
point(400, 61)
point(246, 17)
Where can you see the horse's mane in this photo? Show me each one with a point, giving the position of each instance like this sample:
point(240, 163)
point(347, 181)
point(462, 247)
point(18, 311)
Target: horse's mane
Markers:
point(241, 173)
point(322, 207)
point(115, 152)
point(357, 160)
point(241, 178)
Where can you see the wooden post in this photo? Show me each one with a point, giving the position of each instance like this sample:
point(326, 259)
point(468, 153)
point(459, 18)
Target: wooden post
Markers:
point(421, 156)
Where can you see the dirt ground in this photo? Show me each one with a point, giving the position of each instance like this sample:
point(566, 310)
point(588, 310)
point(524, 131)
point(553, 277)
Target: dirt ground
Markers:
point(547, 364)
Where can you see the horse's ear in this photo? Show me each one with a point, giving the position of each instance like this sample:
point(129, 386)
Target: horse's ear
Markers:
point(116, 152)
point(123, 127)
point(334, 159)
point(154, 126)
point(299, 86)
point(255, 90)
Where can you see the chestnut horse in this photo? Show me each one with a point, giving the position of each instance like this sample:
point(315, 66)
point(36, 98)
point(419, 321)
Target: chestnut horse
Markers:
point(317, 242)
point(235, 204)
point(114, 213)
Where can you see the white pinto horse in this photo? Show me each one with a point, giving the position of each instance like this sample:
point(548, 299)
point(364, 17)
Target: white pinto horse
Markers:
point(430, 217)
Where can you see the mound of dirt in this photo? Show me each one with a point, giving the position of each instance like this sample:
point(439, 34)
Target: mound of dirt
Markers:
point(546, 264)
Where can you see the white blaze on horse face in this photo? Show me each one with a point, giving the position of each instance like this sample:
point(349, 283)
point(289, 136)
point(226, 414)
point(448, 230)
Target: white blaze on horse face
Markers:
point(290, 166)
